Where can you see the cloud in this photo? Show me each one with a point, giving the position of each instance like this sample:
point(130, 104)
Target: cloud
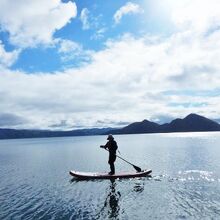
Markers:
point(61, 125)
point(99, 34)
point(89, 21)
point(34, 22)
point(67, 45)
point(11, 120)
point(72, 51)
point(199, 16)
point(161, 118)
point(84, 17)
point(130, 79)
point(7, 58)
point(125, 82)
point(128, 8)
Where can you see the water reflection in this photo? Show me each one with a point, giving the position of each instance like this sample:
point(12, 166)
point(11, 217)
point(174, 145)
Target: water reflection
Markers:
point(111, 205)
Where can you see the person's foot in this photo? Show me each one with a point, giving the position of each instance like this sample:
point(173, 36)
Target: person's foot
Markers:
point(111, 173)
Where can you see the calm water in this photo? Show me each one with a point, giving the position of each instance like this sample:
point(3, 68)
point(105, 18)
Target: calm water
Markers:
point(185, 183)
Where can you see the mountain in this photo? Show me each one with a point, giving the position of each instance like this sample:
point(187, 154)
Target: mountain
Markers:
point(13, 133)
point(138, 127)
point(190, 123)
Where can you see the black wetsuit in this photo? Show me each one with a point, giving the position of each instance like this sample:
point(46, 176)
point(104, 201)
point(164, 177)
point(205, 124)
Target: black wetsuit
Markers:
point(112, 146)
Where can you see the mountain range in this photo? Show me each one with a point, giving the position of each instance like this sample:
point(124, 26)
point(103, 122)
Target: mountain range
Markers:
point(190, 123)
point(24, 133)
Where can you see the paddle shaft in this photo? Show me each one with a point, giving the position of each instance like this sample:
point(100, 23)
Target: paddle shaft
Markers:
point(135, 167)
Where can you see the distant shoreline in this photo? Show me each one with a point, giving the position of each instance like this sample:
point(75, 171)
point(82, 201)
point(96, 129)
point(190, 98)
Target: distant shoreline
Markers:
point(20, 138)
point(191, 123)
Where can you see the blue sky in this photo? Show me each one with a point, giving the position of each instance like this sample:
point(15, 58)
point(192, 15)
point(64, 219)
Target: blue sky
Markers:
point(101, 27)
point(94, 63)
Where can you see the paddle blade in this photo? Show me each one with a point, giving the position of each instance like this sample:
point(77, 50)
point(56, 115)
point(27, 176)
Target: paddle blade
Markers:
point(138, 169)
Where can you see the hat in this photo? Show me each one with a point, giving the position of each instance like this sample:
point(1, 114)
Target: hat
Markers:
point(110, 137)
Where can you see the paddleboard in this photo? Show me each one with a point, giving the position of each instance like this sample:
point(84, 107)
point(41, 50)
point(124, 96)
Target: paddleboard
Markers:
point(90, 175)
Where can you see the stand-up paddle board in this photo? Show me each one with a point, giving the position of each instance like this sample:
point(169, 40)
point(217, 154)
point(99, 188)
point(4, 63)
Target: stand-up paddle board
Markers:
point(89, 175)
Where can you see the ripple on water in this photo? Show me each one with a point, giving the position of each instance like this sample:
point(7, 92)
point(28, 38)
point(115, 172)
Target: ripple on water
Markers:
point(41, 188)
point(197, 175)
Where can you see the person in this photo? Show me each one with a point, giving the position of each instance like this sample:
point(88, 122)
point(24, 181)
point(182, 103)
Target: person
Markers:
point(112, 147)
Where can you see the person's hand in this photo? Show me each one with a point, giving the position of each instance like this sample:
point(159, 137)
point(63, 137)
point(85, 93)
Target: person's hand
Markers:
point(101, 146)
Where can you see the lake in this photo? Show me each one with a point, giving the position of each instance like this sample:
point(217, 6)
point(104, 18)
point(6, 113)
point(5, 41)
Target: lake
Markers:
point(185, 182)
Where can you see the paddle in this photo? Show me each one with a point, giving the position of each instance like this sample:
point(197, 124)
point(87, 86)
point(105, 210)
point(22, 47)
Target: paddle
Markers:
point(138, 169)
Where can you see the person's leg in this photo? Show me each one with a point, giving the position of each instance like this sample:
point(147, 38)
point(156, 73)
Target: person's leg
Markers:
point(112, 167)
point(111, 163)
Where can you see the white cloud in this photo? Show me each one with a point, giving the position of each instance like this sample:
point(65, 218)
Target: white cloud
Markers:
point(67, 46)
point(7, 58)
point(199, 16)
point(125, 81)
point(84, 17)
point(71, 50)
point(89, 21)
point(128, 8)
point(129, 80)
point(98, 34)
point(34, 22)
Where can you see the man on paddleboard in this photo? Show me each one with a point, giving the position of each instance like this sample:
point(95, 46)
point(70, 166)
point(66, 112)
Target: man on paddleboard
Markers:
point(112, 147)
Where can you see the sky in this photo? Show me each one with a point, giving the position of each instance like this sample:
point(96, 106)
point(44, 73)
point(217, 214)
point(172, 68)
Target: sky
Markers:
point(91, 63)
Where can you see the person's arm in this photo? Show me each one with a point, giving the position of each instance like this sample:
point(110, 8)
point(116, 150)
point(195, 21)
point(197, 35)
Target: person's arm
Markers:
point(104, 146)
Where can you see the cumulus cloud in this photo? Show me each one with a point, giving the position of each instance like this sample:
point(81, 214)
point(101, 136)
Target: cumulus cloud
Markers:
point(126, 81)
point(7, 58)
point(128, 8)
point(201, 16)
point(132, 78)
point(34, 22)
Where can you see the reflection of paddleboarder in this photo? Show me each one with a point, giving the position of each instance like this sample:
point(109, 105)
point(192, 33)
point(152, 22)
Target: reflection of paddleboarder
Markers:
point(112, 146)
point(113, 200)
point(111, 206)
